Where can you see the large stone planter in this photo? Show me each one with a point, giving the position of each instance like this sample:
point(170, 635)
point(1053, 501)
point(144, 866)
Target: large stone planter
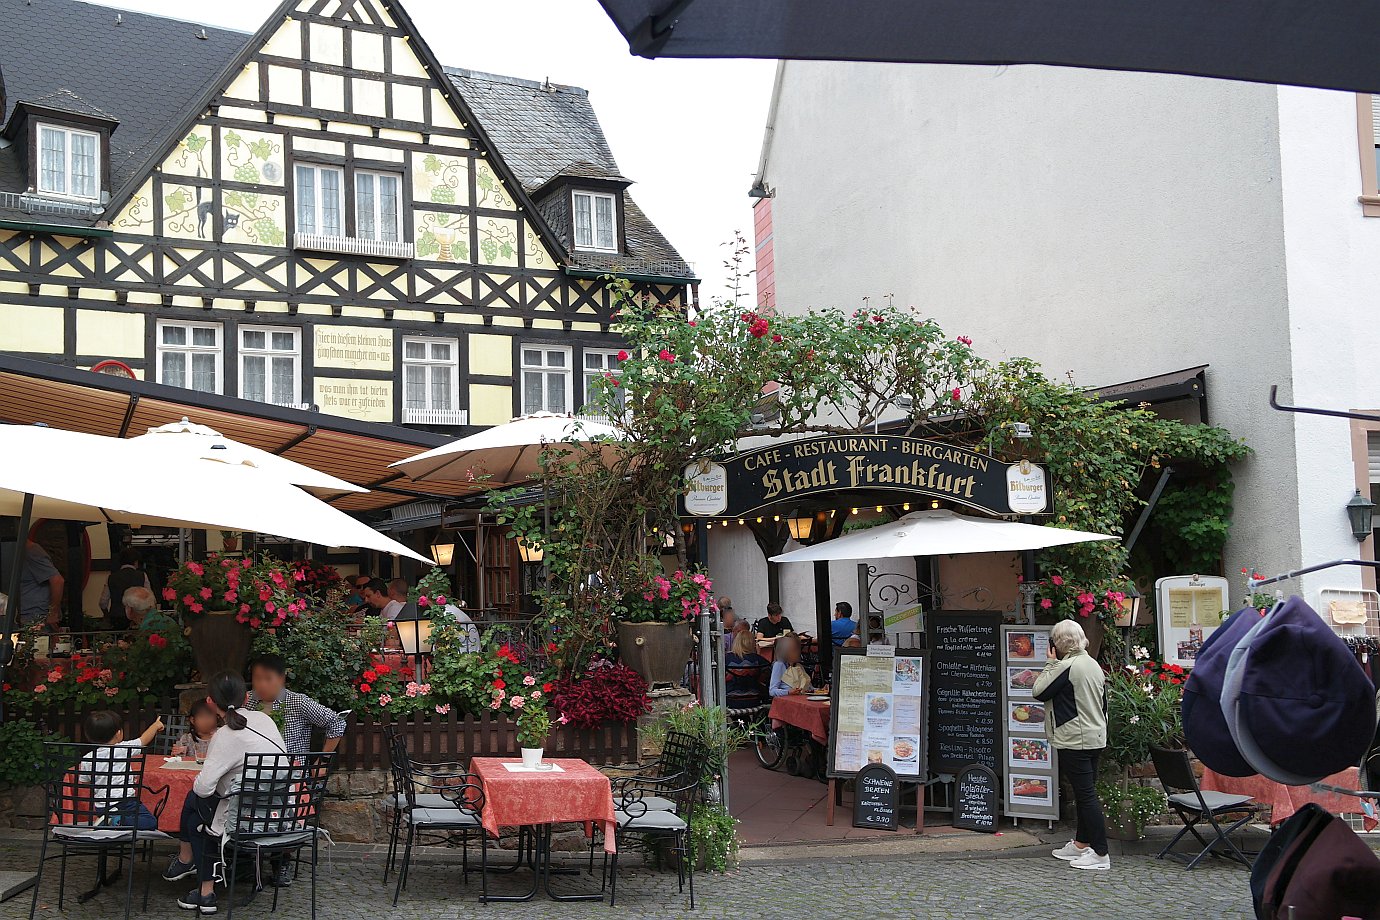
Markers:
point(657, 651)
point(219, 642)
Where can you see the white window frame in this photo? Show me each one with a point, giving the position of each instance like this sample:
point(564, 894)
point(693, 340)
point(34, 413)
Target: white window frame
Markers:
point(378, 214)
point(593, 244)
point(318, 169)
point(243, 351)
point(588, 376)
point(189, 349)
point(69, 133)
point(428, 413)
point(547, 370)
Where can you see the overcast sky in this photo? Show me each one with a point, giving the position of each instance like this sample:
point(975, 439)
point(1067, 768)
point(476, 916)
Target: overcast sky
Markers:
point(686, 132)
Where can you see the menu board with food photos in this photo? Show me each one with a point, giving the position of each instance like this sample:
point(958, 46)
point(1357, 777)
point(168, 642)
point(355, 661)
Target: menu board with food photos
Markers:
point(965, 689)
point(1030, 763)
point(878, 711)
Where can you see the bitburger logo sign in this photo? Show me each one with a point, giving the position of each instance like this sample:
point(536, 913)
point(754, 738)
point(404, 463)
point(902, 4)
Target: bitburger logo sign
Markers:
point(911, 467)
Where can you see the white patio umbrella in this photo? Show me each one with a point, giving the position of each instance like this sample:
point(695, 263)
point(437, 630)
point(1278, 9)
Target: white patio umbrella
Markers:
point(188, 439)
point(85, 477)
point(939, 533)
point(509, 453)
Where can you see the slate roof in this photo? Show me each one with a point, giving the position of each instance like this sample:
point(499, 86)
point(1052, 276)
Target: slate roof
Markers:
point(144, 72)
point(147, 72)
point(545, 131)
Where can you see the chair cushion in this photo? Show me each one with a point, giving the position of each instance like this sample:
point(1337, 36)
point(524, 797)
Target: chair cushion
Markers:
point(1216, 801)
point(443, 817)
point(104, 834)
point(651, 821)
point(423, 799)
point(658, 803)
point(280, 840)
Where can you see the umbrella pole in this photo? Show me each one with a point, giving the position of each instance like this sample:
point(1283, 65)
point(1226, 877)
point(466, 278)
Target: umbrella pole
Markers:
point(21, 537)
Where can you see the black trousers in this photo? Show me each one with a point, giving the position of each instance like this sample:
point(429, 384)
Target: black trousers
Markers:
point(205, 848)
point(1080, 769)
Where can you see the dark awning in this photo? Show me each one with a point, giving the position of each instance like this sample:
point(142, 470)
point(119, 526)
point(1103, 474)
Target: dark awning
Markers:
point(1189, 383)
point(1324, 43)
point(358, 452)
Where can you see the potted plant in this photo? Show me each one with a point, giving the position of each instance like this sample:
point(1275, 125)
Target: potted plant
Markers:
point(653, 630)
point(1142, 712)
point(1094, 606)
point(534, 725)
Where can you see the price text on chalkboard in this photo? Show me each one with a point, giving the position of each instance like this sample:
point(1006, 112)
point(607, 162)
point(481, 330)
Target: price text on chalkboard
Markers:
point(877, 799)
point(977, 797)
point(965, 690)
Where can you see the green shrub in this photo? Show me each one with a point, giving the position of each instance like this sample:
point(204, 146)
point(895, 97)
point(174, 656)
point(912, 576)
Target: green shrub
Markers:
point(21, 753)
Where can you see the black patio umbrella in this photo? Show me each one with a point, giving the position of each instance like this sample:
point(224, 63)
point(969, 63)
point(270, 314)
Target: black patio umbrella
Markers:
point(1330, 44)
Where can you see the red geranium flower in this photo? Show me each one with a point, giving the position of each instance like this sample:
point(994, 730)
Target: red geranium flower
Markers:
point(499, 684)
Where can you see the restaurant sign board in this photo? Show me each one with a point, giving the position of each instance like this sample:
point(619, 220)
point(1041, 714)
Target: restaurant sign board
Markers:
point(977, 798)
point(911, 467)
point(706, 489)
point(877, 799)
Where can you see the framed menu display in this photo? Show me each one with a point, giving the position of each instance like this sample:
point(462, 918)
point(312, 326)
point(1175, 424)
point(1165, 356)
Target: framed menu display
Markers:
point(878, 711)
point(1029, 762)
point(1187, 610)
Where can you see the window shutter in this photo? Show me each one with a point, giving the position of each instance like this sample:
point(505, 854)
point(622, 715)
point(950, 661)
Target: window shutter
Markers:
point(1373, 449)
point(1375, 117)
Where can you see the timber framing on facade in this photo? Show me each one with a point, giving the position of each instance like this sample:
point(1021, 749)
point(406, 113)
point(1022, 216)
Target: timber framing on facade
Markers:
point(314, 215)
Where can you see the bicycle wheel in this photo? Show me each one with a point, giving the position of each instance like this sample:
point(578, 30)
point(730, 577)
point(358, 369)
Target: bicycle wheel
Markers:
point(769, 745)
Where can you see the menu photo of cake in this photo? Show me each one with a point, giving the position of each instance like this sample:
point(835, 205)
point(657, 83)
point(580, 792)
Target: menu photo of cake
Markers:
point(1025, 717)
point(1019, 681)
point(1030, 790)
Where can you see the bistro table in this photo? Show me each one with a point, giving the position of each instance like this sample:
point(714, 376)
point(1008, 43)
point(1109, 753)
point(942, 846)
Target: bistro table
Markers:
point(1282, 801)
point(572, 791)
point(178, 777)
point(810, 715)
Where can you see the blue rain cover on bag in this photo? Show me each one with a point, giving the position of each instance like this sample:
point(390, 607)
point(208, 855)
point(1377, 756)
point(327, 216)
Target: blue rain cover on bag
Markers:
point(1205, 728)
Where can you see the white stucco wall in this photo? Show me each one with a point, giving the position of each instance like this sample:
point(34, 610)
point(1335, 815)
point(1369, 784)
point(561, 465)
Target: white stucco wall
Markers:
point(1112, 225)
point(1333, 260)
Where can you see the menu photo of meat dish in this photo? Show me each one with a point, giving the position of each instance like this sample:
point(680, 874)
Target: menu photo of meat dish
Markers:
point(1030, 790)
point(1026, 717)
point(1027, 646)
point(1019, 681)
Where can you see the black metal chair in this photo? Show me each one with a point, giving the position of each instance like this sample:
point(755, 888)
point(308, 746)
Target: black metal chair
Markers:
point(92, 795)
point(1194, 806)
point(632, 816)
point(440, 801)
point(397, 802)
point(651, 791)
point(276, 813)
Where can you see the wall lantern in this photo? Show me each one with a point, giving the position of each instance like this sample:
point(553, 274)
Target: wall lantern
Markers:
point(414, 633)
point(531, 553)
point(443, 549)
point(1361, 511)
point(800, 525)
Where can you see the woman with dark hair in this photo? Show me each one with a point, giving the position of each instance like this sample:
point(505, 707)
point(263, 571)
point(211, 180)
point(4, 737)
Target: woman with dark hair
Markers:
point(246, 731)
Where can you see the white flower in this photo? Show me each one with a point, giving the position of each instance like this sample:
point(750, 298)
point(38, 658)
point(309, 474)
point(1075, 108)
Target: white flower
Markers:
point(1141, 652)
point(1131, 669)
point(1135, 719)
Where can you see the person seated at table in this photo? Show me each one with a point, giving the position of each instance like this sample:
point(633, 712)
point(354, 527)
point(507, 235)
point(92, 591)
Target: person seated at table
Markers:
point(127, 576)
point(773, 624)
point(743, 668)
point(246, 731)
point(375, 594)
point(397, 590)
point(852, 642)
point(141, 610)
point(843, 626)
point(106, 769)
point(788, 675)
point(300, 713)
point(202, 723)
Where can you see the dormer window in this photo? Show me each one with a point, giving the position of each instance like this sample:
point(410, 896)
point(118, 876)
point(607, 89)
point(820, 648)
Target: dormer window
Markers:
point(69, 162)
point(596, 221)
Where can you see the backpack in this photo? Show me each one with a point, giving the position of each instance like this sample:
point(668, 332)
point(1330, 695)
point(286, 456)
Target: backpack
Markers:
point(1314, 867)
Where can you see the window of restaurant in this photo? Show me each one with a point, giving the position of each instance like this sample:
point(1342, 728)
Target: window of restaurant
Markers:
point(69, 162)
point(378, 214)
point(270, 365)
point(598, 362)
point(546, 382)
point(189, 355)
point(320, 209)
point(596, 221)
point(431, 381)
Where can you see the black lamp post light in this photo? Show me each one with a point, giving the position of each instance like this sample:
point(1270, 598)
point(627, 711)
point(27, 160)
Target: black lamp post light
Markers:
point(1360, 510)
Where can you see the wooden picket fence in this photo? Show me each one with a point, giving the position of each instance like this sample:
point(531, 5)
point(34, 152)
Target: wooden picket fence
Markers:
point(453, 736)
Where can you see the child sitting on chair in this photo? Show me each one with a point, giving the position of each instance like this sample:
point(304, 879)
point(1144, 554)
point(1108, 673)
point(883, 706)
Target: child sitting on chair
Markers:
point(202, 723)
point(114, 791)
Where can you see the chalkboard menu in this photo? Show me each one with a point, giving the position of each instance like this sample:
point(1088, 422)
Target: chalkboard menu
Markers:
point(876, 802)
point(965, 689)
point(877, 714)
point(977, 798)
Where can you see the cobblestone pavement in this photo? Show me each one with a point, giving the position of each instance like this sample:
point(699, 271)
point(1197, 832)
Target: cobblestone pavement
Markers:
point(1022, 884)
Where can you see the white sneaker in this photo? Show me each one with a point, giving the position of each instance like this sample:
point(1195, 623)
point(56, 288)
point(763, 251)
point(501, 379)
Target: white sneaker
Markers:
point(1069, 852)
point(1090, 860)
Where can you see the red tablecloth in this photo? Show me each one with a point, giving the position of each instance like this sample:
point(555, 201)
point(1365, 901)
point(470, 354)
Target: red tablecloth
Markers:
point(1283, 801)
point(179, 783)
point(577, 793)
point(811, 715)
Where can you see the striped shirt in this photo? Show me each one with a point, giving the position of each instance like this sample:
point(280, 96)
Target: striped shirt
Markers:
point(299, 714)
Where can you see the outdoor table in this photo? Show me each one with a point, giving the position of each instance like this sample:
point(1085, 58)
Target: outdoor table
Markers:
point(178, 777)
point(810, 715)
point(1283, 801)
point(574, 792)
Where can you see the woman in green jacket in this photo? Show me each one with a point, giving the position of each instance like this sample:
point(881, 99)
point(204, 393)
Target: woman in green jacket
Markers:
point(1073, 688)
